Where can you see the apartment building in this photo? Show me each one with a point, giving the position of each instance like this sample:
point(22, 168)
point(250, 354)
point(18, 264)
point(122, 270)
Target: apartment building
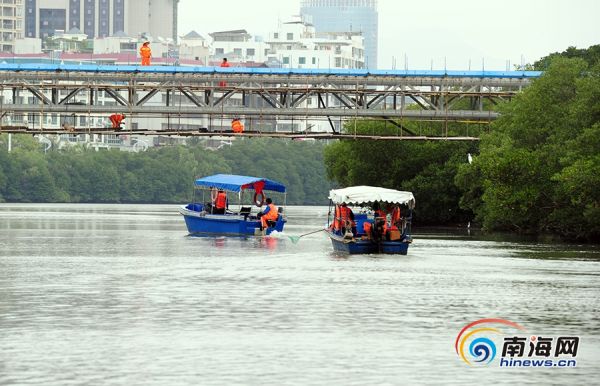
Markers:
point(101, 18)
point(11, 24)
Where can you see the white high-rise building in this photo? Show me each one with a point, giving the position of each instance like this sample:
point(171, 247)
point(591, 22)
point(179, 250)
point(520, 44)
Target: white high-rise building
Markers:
point(11, 24)
point(297, 45)
point(238, 46)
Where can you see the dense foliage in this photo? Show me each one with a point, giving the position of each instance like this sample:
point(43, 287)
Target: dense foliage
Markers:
point(425, 168)
point(539, 168)
point(591, 56)
point(161, 175)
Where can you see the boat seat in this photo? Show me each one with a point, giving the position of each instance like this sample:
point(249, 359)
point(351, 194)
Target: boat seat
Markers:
point(245, 211)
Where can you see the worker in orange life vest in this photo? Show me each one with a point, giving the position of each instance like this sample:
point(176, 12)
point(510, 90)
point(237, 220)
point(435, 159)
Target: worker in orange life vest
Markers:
point(396, 221)
point(224, 63)
point(116, 120)
point(220, 203)
point(378, 228)
point(271, 213)
point(347, 218)
point(237, 126)
point(146, 53)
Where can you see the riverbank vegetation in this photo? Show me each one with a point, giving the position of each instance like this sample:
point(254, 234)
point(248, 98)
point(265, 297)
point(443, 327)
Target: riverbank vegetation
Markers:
point(159, 175)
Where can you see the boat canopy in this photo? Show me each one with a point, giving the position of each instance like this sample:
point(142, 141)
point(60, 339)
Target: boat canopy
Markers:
point(369, 194)
point(236, 183)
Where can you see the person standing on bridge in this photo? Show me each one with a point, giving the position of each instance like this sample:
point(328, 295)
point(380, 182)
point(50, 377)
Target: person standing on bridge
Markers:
point(224, 63)
point(145, 53)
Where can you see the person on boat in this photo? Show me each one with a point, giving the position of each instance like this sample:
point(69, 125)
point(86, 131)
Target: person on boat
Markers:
point(145, 53)
point(237, 126)
point(220, 203)
point(271, 213)
point(378, 212)
point(224, 63)
point(396, 220)
point(378, 228)
point(347, 218)
point(343, 219)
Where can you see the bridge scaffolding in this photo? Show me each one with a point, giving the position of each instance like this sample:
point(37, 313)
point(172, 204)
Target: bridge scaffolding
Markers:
point(30, 94)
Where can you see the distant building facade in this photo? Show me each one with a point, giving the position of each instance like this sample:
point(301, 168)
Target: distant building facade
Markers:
point(346, 16)
point(237, 46)
point(296, 44)
point(100, 18)
point(11, 24)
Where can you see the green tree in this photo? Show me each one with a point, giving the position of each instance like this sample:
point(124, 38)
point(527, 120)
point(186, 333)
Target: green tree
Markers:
point(537, 168)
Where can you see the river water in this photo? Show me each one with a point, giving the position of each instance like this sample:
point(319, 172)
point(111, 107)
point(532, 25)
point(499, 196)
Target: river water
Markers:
point(118, 294)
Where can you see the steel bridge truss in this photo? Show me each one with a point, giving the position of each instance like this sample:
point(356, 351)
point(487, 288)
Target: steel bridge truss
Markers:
point(288, 96)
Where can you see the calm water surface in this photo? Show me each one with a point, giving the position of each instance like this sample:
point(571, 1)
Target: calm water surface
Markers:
point(118, 294)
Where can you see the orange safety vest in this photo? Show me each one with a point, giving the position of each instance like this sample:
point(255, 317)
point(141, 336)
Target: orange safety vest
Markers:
point(345, 216)
point(221, 201)
point(337, 220)
point(237, 126)
point(273, 213)
point(396, 218)
point(381, 214)
point(145, 52)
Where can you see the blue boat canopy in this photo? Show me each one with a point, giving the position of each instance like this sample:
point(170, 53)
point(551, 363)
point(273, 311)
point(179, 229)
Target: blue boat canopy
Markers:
point(234, 183)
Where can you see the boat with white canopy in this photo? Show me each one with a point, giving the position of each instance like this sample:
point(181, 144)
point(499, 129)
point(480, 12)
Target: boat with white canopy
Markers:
point(381, 224)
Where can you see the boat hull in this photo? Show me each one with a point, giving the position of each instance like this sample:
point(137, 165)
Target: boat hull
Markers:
point(363, 247)
point(201, 223)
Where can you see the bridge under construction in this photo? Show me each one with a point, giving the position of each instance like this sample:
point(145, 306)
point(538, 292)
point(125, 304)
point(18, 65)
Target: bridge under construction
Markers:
point(37, 98)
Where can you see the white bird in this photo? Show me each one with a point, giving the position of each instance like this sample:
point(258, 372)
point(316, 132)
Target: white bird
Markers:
point(470, 158)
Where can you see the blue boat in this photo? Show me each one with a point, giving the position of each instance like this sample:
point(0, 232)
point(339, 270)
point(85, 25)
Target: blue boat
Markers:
point(244, 193)
point(382, 223)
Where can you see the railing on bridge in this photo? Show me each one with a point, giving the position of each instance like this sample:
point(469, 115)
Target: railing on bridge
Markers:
point(185, 100)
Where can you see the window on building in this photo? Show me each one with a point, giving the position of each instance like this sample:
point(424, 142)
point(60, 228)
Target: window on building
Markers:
point(290, 36)
point(286, 60)
point(275, 35)
point(219, 51)
point(314, 60)
point(237, 51)
point(301, 60)
point(250, 52)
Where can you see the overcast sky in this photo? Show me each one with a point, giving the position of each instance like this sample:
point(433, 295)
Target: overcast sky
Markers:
point(427, 34)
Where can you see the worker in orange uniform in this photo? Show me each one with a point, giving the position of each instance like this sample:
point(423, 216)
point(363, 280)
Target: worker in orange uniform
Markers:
point(270, 214)
point(237, 126)
point(343, 219)
point(145, 53)
point(116, 120)
point(224, 63)
point(220, 202)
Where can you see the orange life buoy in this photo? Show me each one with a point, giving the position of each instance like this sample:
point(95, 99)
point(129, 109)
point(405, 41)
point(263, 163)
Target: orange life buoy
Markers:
point(258, 202)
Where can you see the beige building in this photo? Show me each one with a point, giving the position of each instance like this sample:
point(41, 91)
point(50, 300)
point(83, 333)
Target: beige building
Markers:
point(156, 17)
point(100, 18)
point(11, 24)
